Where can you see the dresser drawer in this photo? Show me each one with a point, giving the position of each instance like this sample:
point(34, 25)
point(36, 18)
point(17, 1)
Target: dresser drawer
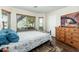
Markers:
point(62, 31)
point(67, 29)
point(57, 31)
point(68, 37)
point(69, 41)
point(73, 43)
point(61, 39)
point(61, 35)
point(75, 38)
point(69, 34)
point(76, 34)
point(75, 30)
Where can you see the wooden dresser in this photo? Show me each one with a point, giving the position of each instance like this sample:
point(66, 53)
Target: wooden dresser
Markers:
point(68, 35)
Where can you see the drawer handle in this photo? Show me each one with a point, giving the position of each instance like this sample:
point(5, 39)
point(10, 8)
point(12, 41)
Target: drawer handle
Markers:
point(74, 30)
point(71, 33)
point(71, 37)
point(71, 42)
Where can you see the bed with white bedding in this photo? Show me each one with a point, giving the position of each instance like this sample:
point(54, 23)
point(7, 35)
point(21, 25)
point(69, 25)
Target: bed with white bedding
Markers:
point(28, 41)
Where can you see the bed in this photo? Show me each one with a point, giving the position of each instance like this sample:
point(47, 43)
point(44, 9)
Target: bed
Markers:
point(28, 41)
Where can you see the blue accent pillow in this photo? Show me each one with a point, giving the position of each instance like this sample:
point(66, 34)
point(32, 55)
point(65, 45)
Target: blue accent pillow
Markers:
point(11, 35)
point(3, 39)
point(8, 36)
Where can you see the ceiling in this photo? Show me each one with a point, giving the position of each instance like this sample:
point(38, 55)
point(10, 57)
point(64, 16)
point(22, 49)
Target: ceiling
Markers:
point(40, 9)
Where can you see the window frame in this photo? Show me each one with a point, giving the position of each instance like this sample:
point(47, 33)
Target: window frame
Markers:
point(9, 18)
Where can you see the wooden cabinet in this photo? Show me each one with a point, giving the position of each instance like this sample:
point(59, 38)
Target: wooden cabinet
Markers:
point(59, 31)
point(68, 35)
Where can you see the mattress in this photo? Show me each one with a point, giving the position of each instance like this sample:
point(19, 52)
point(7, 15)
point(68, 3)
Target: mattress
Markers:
point(28, 41)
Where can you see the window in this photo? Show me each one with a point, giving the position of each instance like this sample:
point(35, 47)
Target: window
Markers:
point(31, 22)
point(25, 22)
point(5, 21)
point(21, 19)
point(40, 23)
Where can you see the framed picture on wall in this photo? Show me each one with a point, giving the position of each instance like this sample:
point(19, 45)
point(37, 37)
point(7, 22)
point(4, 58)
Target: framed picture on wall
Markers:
point(70, 20)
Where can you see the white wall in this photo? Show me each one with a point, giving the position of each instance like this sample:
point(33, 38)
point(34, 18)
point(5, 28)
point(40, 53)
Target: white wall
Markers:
point(53, 18)
point(15, 11)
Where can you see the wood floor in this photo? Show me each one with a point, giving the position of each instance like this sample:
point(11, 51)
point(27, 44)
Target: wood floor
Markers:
point(65, 47)
point(47, 48)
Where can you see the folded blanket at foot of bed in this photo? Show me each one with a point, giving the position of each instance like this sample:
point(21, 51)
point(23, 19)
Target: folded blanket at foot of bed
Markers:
point(8, 36)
